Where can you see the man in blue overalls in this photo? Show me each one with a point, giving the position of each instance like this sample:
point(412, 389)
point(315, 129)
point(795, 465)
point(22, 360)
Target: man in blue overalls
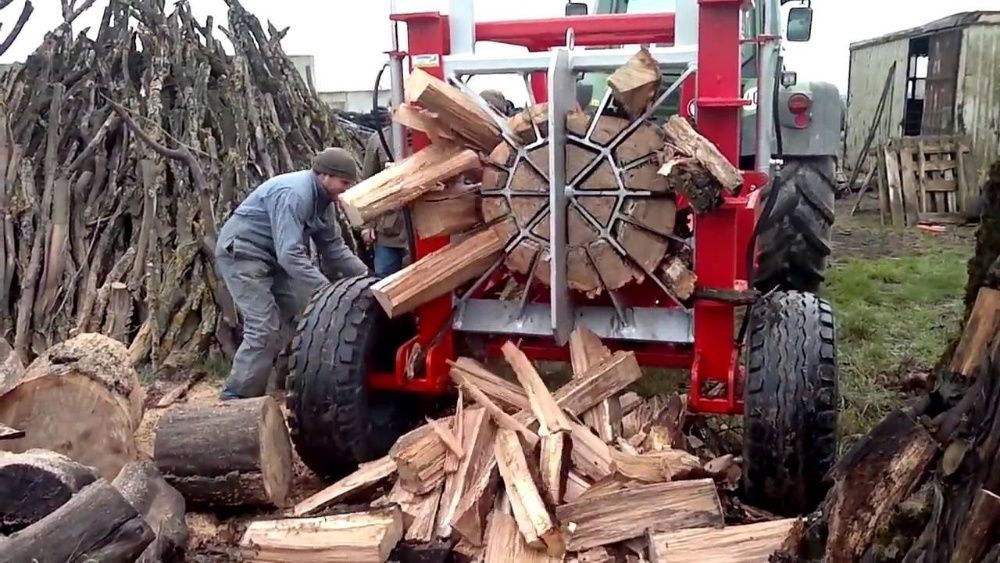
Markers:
point(263, 257)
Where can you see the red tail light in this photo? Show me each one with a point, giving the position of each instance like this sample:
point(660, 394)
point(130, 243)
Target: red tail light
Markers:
point(799, 103)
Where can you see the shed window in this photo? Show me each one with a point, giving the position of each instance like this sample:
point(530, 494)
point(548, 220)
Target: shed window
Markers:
point(916, 84)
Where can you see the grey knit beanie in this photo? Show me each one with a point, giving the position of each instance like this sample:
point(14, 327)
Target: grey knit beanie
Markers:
point(336, 161)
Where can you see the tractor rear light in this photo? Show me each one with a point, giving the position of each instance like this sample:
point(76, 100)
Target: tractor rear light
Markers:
point(799, 103)
point(802, 120)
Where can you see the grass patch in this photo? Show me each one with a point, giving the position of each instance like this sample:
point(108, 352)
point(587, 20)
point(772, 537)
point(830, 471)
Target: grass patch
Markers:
point(894, 315)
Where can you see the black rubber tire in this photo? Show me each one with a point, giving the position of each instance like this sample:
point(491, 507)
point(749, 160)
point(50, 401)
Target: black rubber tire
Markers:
point(335, 421)
point(791, 395)
point(794, 243)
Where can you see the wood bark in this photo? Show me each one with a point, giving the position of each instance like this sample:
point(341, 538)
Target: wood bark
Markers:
point(35, 483)
point(684, 138)
point(73, 533)
point(161, 506)
point(234, 453)
point(81, 398)
point(360, 537)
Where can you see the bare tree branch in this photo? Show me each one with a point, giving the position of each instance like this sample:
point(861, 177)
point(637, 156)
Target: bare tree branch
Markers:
point(21, 20)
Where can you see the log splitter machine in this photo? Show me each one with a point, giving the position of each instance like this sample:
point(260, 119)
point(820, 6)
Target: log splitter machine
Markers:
point(349, 399)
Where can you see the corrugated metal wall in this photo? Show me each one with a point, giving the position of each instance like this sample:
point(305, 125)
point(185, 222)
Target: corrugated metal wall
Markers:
point(978, 104)
point(869, 65)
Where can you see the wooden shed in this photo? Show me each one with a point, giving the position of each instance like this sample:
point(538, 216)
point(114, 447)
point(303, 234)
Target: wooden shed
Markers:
point(939, 79)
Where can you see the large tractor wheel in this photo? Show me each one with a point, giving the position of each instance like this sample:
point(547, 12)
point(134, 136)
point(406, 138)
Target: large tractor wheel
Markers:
point(791, 396)
point(794, 241)
point(336, 422)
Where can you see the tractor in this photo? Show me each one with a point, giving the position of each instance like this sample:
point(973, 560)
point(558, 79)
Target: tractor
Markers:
point(756, 338)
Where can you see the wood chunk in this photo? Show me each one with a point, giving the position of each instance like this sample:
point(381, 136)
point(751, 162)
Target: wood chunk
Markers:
point(551, 418)
point(419, 455)
point(615, 272)
point(657, 467)
point(494, 207)
point(502, 419)
point(505, 544)
point(438, 273)
point(80, 398)
point(576, 485)
point(871, 480)
point(424, 513)
point(636, 84)
point(233, 453)
point(590, 455)
point(586, 350)
point(682, 135)
point(96, 524)
point(440, 214)
point(470, 517)
point(641, 416)
point(35, 483)
point(980, 529)
point(599, 382)
point(645, 248)
point(533, 518)
point(367, 477)
point(507, 394)
point(453, 107)
point(349, 538)
point(678, 278)
point(422, 120)
point(523, 124)
point(553, 460)
point(452, 461)
point(620, 515)
point(751, 543)
point(160, 505)
point(596, 555)
point(478, 438)
point(984, 321)
point(450, 440)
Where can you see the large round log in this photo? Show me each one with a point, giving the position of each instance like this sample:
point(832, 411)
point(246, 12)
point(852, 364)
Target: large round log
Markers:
point(230, 454)
point(81, 398)
point(97, 524)
point(35, 483)
point(161, 506)
point(620, 214)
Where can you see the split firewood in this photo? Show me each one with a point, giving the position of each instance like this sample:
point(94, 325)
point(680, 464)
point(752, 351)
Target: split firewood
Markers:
point(679, 278)
point(438, 273)
point(505, 544)
point(478, 438)
point(95, 524)
point(233, 453)
point(586, 350)
point(470, 517)
point(419, 511)
point(507, 394)
point(448, 438)
point(657, 467)
point(367, 477)
point(419, 456)
point(982, 326)
point(160, 505)
point(552, 464)
point(454, 458)
point(551, 418)
point(347, 538)
point(418, 119)
point(81, 398)
point(35, 483)
point(576, 485)
point(524, 123)
point(695, 167)
point(733, 544)
point(636, 84)
point(590, 455)
point(405, 181)
point(533, 518)
point(502, 419)
point(602, 519)
point(452, 106)
point(599, 382)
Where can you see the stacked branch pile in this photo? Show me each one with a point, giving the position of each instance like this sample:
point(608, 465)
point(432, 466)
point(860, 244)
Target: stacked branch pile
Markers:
point(484, 179)
point(121, 152)
point(516, 475)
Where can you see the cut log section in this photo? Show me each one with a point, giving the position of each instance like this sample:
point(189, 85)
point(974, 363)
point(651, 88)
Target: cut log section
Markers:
point(96, 524)
point(81, 398)
point(601, 519)
point(452, 106)
point(438, 273)
point(359, 537)
point(398, 185)
point(161, 506)
point(367, 477)
point(639, 223)
point(234, 453)
point(751, 543)
point(695, 167)
point(35, 483)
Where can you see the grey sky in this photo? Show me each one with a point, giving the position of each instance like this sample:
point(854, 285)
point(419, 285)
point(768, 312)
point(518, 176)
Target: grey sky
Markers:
point(349, 50)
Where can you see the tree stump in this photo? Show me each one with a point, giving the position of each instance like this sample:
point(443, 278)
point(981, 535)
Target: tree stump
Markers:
point(81, 398)
point(620, 211)
point(231, 454)
point(160, 505)
point(35, 483)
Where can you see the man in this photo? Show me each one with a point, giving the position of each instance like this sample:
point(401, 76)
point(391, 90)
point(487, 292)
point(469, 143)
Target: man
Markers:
point(498, 102)
point(263, 256)
point(389, 231)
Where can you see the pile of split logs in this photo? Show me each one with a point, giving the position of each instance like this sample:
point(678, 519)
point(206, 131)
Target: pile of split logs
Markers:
point(486, 178)
point(121, 151)
point(585, 473)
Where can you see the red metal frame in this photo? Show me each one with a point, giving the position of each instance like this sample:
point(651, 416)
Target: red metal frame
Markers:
point(721, 235)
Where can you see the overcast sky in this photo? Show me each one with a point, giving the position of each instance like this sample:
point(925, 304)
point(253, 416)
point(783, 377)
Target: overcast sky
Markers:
point(349, 50)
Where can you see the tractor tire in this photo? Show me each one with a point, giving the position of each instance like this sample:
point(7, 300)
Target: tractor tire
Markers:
point(335, 421)
point(794, 241)
point(791, 398)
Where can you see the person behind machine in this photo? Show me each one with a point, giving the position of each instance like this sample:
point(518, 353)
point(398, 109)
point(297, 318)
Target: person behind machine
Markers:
point(263, 257)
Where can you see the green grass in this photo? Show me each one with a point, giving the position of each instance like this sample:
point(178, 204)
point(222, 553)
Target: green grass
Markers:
point(894, 315)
